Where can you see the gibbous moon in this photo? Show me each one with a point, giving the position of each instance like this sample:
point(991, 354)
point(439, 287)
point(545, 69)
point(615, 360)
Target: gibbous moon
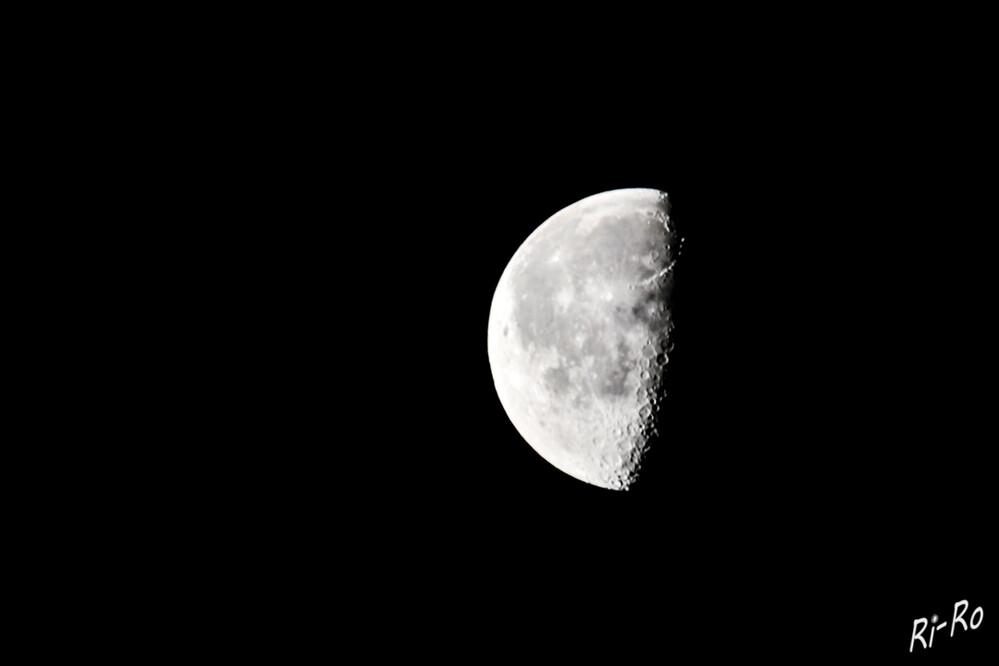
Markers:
point(579, 332)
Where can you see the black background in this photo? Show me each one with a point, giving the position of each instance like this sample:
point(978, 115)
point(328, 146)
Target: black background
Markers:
point(822, 481)
point(304, 395)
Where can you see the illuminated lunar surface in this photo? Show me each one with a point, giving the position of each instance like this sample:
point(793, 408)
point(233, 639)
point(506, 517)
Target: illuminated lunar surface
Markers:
point(579, 334)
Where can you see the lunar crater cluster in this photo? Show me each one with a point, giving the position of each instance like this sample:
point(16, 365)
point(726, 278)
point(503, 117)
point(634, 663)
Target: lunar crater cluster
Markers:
point(579, 334)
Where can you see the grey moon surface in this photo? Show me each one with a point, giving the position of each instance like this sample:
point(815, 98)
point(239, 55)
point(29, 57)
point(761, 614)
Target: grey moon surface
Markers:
point(579, 332)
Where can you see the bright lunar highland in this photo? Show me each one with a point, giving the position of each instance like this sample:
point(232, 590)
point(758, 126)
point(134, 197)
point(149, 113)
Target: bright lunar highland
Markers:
point(579, 333)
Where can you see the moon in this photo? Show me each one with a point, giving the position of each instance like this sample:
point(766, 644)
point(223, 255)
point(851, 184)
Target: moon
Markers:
point(579, 334)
